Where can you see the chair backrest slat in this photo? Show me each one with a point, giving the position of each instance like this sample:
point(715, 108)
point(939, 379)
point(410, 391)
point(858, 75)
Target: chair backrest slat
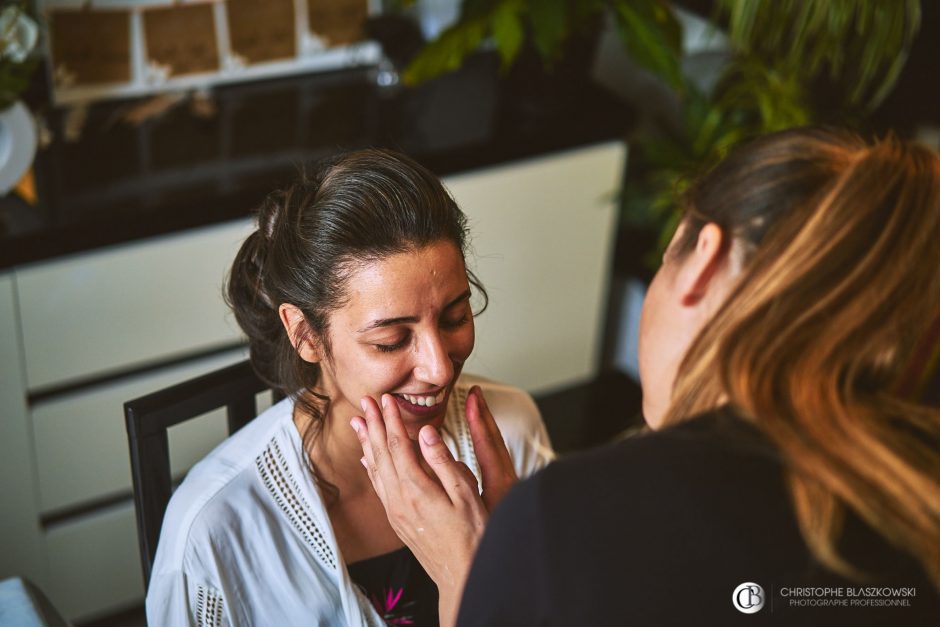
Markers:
point(147, 419)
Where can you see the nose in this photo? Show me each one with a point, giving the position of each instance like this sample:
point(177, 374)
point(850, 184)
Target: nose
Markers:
point(433, 362)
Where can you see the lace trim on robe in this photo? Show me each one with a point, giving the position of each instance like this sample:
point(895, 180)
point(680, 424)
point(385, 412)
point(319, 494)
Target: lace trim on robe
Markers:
point(286, 493)
point(209, 607)
point(456, 425)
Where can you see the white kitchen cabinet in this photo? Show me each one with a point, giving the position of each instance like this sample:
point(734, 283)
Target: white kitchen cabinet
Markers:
point(94, 563)
point(81, 335)
point(127, 306)
point(81, 444)
point(22, 547)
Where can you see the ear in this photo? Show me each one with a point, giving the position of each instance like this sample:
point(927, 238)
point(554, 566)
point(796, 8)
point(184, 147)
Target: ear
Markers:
point(700, 267)
point(304, 340)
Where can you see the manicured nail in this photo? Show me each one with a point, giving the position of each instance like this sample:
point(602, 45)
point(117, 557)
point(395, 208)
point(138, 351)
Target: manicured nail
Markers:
point(362, 403)
point(354, 424)
point(430, 436)
point(362, 460)
point(385, 400)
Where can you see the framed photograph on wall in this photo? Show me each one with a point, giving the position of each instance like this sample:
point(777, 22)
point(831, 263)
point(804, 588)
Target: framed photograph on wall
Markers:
point(118, 48)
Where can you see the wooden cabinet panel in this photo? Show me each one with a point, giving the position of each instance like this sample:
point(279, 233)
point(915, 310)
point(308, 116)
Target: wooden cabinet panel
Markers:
point(21, 546)
point(95, 564)
point(136, 304)
point(81, 441)
point(542, 244)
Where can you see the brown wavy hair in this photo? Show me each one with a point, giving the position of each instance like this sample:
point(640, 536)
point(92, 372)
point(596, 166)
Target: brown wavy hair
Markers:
point(840, 282)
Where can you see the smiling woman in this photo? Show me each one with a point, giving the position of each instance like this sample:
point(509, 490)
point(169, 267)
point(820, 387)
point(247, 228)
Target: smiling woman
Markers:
point(406, 330)
point(354, 285)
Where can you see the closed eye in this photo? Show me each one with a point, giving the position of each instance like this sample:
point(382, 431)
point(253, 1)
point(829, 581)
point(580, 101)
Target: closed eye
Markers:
point(388, 348)
point(459, 312)
point(454, 324)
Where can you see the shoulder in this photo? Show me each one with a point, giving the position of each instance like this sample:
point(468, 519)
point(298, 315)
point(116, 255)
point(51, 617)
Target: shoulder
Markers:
point(206, 508)
point(680, 495)
point(710, 454)
point(667, 506)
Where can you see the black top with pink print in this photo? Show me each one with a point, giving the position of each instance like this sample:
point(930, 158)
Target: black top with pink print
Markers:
point(398, 587)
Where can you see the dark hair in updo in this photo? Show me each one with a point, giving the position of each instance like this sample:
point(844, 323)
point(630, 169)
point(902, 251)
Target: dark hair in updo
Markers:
point(355, 208)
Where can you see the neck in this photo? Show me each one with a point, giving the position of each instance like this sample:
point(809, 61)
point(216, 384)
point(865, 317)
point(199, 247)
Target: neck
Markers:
point(335, 451)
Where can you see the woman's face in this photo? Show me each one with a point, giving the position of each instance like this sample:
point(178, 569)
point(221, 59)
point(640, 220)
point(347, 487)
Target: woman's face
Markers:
point(405, 330)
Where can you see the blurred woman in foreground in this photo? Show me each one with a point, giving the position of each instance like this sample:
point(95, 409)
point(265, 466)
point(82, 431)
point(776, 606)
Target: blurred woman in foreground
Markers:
point(790, 472)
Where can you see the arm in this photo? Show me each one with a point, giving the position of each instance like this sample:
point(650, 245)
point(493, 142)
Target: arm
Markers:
point(508, 582)
point(175, 601)
point(443, 521)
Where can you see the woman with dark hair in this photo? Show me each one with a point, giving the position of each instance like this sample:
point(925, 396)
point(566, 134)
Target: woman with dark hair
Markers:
point(789, 470)
point(353, 285)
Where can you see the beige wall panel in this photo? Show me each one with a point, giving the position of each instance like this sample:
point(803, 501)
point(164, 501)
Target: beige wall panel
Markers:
point(543, 234)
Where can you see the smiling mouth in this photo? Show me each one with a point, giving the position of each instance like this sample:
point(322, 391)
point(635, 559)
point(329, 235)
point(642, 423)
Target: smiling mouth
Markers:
point(426, 401)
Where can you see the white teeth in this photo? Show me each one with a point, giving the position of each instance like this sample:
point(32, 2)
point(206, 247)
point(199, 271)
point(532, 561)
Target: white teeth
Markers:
point(424, 401)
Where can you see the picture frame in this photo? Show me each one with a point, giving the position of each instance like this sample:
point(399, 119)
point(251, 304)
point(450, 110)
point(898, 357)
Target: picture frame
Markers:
point(103, 49)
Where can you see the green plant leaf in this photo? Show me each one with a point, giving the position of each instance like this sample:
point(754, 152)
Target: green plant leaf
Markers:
point(14, 79)
point(860, 45)
point(549, 21)
point(447, 52)
point(508, 33)
point(474, 9)
point(651, 34)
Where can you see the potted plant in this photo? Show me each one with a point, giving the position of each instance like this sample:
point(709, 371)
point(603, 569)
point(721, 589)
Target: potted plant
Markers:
point(789, 63)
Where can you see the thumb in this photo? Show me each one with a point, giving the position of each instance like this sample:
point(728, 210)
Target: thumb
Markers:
point(433, 449)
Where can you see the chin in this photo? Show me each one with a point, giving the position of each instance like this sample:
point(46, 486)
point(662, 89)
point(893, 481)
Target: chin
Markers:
point(413, 427)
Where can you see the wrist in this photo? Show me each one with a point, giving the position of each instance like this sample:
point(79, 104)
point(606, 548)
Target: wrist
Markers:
point(449, 595)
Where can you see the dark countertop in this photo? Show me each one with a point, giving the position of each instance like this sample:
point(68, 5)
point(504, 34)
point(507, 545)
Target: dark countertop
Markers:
point(121, 182)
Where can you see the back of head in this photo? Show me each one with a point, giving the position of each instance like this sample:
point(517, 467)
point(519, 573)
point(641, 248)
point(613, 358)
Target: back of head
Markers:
point(838, 239)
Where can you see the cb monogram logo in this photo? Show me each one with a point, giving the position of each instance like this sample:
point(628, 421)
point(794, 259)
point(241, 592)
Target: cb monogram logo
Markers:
point(748, 598)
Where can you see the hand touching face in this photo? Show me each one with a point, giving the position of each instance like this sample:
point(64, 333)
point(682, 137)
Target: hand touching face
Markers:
point(439, 513)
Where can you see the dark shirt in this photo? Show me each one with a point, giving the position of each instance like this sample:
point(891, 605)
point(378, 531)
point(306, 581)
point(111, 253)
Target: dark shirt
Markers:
point(665, 529)
point(399, 588)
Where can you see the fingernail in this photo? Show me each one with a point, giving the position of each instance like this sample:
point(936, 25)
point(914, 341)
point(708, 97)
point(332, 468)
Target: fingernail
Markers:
point(430, 436)
point(362, 403)
point(362, 460)
point(354, 424)
point(385, 401)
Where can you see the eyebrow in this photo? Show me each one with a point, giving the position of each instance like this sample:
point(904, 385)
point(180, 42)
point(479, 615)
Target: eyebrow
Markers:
point(389, 322)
